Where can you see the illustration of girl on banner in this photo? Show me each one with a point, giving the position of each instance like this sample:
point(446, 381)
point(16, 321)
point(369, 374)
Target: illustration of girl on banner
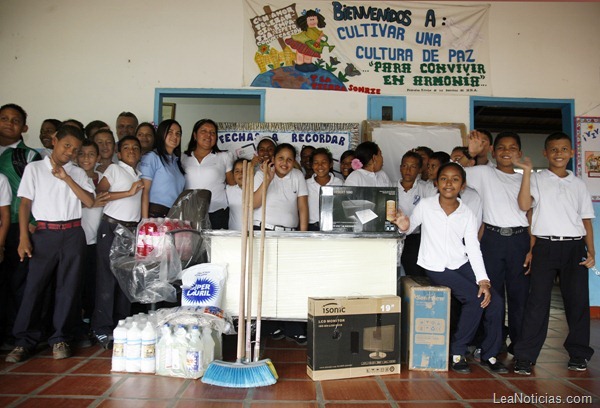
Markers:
point(309, 44)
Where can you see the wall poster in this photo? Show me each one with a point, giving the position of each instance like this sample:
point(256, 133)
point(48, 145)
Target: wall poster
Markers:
point(587, 153)
point(372, 47)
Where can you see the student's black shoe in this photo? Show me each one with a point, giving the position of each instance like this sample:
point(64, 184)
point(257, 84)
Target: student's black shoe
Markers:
point(459, 365)
point(105, 341)
point(577, 364)
point(523, 367)
point(494, 366)
point(277, 335)
point(17, 355)
point(300, 339)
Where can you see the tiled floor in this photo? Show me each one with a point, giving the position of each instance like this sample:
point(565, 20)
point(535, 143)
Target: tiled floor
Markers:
point(85, 381)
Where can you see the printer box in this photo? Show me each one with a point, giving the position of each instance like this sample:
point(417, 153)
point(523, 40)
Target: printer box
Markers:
point(357, 209)
point(353, 337)
point(425, 324)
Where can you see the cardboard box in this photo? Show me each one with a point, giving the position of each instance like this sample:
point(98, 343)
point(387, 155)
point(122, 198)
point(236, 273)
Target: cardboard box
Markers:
point(357, 209)
point(425, 324)
point(353, 337)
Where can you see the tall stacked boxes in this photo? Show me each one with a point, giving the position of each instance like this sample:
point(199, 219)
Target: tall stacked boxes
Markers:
point(353, 336)
point(425, 324)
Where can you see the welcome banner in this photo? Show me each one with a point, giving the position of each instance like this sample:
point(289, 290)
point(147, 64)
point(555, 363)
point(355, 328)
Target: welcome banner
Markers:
point(386, 48)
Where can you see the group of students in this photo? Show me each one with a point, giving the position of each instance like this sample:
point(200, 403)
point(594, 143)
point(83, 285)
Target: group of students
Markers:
point(465, 219)
point(532, 228)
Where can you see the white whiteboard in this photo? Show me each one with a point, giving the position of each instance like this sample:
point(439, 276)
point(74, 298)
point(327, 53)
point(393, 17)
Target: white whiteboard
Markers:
point(396, 138)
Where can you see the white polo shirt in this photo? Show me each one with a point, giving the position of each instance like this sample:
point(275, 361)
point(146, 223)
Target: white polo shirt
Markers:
point(365, 178)
point(234, 197)
point(52, 199)
point(559, 205)
point(90, 219)
point(120, 177)
point(313, 195)
point(498, 192)
point(442, 237)
point(282, 198)
point(209, 175)
point(407, 200)
point(5, 191)
point(472, 200)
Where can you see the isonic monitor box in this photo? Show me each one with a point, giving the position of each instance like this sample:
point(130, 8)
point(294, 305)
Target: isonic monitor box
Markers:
point(357, 209)
point(353, 337)
point(425, 324)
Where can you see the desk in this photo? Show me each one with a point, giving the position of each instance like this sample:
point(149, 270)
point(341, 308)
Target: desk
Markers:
point(303, 264)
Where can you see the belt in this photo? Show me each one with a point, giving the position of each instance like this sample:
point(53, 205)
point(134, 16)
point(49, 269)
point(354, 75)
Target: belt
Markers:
point(126, 224)
point(274, 227)
point(555, 238)
point(62, 225)
point(506, 231)
point(157, 210)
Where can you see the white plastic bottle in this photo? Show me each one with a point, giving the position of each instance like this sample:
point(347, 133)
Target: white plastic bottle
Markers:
point(208, 345)
point(179, 350)
point(194, 355)
point(119, 347)
point(163, 351)
point(134, 349)
point(148, 356)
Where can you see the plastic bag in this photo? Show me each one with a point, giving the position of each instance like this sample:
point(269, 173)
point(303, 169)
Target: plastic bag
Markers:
point(203, 285)
point(145, 279)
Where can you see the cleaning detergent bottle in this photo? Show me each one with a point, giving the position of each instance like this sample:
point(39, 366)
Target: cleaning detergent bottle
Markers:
point(133, 350)
point(179, 351)
point(163, 351)
point(119, 346)
point(148, 358)
point(194, 355)
point(209, 346)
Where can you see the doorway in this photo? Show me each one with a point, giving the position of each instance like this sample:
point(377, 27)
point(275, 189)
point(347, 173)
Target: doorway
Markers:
point(532, 119)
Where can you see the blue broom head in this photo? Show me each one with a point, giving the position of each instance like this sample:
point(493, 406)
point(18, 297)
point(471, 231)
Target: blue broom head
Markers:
point(240, 375)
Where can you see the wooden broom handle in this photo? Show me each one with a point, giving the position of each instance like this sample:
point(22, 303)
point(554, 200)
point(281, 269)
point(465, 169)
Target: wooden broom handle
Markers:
point(244, 236)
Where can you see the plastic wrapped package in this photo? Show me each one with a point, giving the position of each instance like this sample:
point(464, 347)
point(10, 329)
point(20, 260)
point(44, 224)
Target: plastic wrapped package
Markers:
point(148, 278)
point(192, 206)
point(178, 354)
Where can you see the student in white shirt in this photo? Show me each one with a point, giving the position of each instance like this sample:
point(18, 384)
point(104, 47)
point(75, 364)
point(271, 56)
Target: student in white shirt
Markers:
point(367, 166)
point(234, 196)
point(411, 190)
point(52, 190)
point(287, 194)
point(564, 246)
point(505, 242)
point(321, 162)
point(450, 255)
point(124, 201)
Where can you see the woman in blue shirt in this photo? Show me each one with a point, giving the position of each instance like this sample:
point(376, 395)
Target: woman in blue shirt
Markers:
point(161, 170)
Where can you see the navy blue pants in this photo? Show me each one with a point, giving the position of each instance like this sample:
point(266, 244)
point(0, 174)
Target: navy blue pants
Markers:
point(549, 259)
point(462, 283)
point(111, 304)
point(410, 254)
point(504, 257)
point(57, 257)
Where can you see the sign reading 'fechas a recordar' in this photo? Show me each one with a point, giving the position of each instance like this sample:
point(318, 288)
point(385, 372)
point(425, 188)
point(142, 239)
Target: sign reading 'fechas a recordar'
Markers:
point(369, 47)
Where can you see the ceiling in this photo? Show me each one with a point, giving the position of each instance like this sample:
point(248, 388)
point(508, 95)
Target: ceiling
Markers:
point(519, 120)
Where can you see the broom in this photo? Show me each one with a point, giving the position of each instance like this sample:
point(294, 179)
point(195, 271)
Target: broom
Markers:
point(266, 361)
point(241, 374)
